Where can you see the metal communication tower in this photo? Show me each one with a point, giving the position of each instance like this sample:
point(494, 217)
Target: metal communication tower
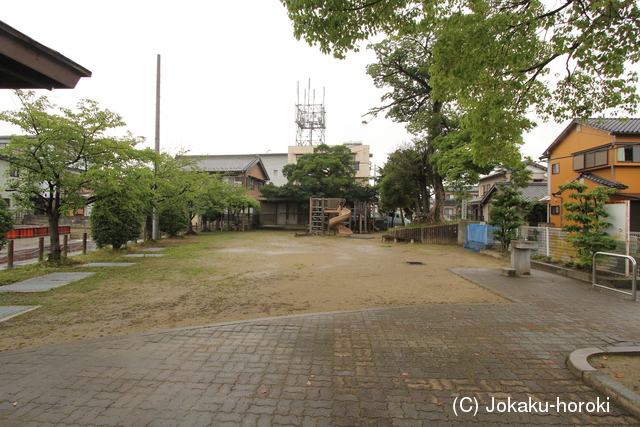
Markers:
point(310, 118)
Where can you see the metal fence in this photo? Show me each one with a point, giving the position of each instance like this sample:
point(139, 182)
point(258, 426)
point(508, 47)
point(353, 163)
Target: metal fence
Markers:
point(552, 242)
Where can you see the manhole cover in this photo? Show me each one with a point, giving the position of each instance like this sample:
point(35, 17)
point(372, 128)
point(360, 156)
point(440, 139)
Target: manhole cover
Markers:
point(415, 262)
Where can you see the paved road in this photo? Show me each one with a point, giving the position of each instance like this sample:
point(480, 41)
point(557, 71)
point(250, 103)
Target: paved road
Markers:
point(405, 366)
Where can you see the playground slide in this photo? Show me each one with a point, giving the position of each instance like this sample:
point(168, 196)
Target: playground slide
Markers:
point(334, 222)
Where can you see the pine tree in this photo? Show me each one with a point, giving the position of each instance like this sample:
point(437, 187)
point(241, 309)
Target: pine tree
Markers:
point(589, 218)
point(506, 214)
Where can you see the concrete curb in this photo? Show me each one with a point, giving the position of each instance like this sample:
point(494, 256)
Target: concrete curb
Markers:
point(581, 368)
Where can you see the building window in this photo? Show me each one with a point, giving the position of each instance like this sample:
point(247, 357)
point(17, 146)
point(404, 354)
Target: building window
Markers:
point(236, 181)
point(275, 172)
point(555, 210)
point(555, 168)
point(8, 202)
point(14, 173)
point(250, 182)
point(630, 153)
point(590, 159)
point(356, 166)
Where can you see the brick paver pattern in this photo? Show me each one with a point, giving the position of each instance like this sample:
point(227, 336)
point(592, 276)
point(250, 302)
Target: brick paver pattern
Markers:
point(401, 366)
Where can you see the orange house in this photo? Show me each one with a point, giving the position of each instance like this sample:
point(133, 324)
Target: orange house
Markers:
point(596, 152)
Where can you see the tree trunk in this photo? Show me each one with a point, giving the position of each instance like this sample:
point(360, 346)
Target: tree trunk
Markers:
point(435, 130)
point(190, 230)
point(438, 203)
point(54, 236)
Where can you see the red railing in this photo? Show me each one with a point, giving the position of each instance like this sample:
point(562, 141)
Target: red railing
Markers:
point(20, 232)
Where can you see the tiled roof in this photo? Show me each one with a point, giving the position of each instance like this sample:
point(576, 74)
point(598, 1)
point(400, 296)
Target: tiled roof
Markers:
point(534, 192)
point(231, 163)
point(602, 181)
point(615, 126)
point(629, 126)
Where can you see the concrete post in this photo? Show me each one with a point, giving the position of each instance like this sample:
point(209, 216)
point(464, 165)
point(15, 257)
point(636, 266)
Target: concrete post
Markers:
point(65, 245)
point(462, 231)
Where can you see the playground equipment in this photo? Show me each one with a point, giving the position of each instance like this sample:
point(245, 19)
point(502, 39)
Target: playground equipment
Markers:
point(335, 223)
point(322, 217)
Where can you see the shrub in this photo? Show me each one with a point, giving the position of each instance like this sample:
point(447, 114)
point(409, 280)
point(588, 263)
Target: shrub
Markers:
point(174, 219)
point(115, 224)
point(6, 223)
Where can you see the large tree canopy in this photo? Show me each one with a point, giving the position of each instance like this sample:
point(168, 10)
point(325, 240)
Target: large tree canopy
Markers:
point(440, 153)
point(64, 156)
point(497, 59)
point(327, 172)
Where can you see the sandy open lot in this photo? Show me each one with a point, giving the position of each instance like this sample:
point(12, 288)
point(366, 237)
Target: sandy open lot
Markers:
point(229, 276)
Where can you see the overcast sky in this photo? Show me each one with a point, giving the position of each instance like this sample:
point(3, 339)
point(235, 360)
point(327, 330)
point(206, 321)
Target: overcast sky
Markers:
point(230, 72)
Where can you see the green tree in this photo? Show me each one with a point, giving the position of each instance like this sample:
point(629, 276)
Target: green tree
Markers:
point(64, 156)
point(174, 217)
point(177, 186)
point(440, 149)
point(589, 219)
point(209, 193)
point(498, 60)
point(506, 213)
point(405, 182)
point(115, 223)
point(327, 172)
point(6, 223)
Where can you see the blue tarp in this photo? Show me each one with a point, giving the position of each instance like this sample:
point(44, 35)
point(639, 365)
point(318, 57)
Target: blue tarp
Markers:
point(479, 237)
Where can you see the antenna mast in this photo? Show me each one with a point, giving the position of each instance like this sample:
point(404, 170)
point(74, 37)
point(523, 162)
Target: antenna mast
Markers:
point(310, 118)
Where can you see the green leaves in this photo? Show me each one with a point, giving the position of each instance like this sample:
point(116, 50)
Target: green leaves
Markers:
point(327, 172)
point(589, 219)
point(66, 156)
point(497, 61)
point(506, 213)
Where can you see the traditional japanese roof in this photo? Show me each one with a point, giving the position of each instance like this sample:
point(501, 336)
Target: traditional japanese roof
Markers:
point(229, 163)
point(630, 126)
point(602, 181)
point(534, 192)
point(598, 180)
point(27, 64)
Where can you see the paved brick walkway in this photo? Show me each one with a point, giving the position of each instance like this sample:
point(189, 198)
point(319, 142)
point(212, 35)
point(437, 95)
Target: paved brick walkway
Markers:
point(406, 366)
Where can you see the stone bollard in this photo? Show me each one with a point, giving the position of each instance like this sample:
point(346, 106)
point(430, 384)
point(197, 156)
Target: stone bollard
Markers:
point(521, 256)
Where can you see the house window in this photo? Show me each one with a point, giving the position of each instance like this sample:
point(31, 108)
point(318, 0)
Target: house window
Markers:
point(14, 173)
point(630, 153)
point(275, 172)
point(8, 202)
point(555, 168)
point(236, 181)
point(555, 210)
point(250, 182)
point(590, 159)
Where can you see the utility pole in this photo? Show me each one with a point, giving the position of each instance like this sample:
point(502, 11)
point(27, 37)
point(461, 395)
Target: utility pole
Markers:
point(155, 232)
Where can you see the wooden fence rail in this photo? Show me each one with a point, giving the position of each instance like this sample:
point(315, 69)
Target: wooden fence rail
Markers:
point(434, 235)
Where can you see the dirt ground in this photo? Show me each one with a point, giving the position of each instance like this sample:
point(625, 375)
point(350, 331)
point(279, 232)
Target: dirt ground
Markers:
point(238, 276)
point(623, 368)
